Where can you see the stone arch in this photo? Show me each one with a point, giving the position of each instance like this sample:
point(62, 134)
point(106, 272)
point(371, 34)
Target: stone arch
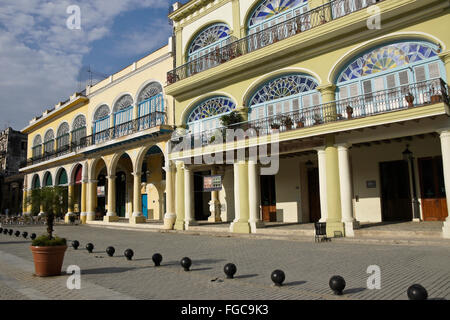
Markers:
point(35, 181)
point(143, 153)
point(142, 93)
point(61, 177)
point(122, 101)
point(48, 179)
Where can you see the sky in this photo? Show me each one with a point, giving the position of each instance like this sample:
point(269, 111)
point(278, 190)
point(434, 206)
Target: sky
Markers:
point(43, 62)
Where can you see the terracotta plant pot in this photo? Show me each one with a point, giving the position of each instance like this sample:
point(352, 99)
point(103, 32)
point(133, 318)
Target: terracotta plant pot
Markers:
point(300, 124)
point(48, 261)
point(436, 98)
point(410, 100)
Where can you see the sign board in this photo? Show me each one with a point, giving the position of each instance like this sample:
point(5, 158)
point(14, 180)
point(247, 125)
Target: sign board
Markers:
point(101, 191)
point(212, 183)
point(372, 184)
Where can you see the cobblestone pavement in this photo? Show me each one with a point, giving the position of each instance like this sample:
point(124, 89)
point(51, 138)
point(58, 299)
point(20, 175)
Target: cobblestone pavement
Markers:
point(307, 265)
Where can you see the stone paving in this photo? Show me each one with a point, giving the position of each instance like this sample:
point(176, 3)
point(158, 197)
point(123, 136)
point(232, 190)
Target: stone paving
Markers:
point(308, 267)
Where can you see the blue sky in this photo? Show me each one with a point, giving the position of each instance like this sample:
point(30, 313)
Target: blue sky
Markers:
point(41, 58)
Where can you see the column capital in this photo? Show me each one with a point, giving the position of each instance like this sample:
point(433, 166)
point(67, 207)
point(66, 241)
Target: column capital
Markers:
point(320, 149)
point(343, 145)
point(137, 173)
point(111, 177)
point(445, 56)
point(93, 181)
point(327, 88)
point(444, 133)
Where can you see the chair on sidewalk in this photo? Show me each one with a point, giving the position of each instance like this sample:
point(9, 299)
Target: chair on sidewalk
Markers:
point(321, 232)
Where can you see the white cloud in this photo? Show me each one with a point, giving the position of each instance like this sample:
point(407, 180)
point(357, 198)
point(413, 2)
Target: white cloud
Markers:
point(40, 57)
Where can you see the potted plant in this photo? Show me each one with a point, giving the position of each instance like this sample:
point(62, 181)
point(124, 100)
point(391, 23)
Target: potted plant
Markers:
point(410, 99)
point(435, 96)
point(301, 122)
point(287, 121)
point(231, 118)
point(317, 119)
point(349, 112)
point(48, 250)
point(275, 127)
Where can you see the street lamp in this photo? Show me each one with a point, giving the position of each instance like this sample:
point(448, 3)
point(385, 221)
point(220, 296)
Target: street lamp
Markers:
point(408, 157)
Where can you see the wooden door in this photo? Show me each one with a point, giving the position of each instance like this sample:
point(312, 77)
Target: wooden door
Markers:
point(396, 201)
point(121, 191)
point(432, 189)
point(268, 199)
point(314, 195)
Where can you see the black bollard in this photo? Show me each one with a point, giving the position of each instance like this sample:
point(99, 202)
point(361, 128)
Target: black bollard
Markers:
point(337, 284)
point(11, 232)
point(17, 233)
point(75, 244)
point(25, 234)
point(230, 270)
point(128, 254)
point(157, 258)
point(89, 247)
point(1, 230)
point(417, 292)
point(33, 236)
point(110, 251)
point(278, 277)
point(186, 263)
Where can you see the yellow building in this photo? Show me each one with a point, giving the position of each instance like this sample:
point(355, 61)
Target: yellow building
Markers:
point(350, 95)
point(107, 145)
point(292, 111)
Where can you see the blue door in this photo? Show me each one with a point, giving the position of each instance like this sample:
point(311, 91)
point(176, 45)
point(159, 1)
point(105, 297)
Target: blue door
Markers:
point(144, 206)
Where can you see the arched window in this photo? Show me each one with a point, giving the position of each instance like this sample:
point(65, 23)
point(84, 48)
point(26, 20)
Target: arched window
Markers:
point(48, 181)
point(79, 128)
point(151, 106)
point(101, 123)
point(384, 73)
point(123, 113)
point(49, 141)
point(288, 93)
point(206, 115)
point(37, 146)
point(209, 39)
point(272, 12)
point(36, 184)
point(62, 178)
point(62, 137)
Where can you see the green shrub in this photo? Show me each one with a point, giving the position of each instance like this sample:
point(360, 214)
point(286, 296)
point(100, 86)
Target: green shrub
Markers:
point(45, 241)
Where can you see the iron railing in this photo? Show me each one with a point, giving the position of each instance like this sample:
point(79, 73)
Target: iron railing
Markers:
point(378, 102)
point(318, 16)
point(148, 121)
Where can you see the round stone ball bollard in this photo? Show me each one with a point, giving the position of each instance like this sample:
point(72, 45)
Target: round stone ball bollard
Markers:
point(17, 233)
point(337, 284)
point(1, 230)
point(110, 251)
point(278, 277)
point(89, 247)
point(230, 270)
point(24, 234)
point(5, 231)
point(75, 244)
point(33, 236)
point(11, 232)
point(128, 254)
point(157, 258)
point(417, 292)
point(186, 263)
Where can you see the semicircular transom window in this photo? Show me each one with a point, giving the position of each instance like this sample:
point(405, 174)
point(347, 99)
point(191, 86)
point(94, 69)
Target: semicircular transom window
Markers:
point(80, 122)
point(150, 90)
point(212, 107)
point(101, 113)
point(63, 129)
point(37, 141)
point(385, 58)
point(49, 135)
point(123, 103)
point(268, 9)
point(208, 37)
point(283, 87)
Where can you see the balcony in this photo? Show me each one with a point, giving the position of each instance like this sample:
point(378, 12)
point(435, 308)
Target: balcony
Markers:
point(309, 20)
point(141, 124)
point(378, 102)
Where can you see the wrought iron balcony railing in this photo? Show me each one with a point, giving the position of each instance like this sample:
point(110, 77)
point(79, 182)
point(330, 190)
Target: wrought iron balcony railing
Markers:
point(148, 121)
point(378, 102)
point(318, 16)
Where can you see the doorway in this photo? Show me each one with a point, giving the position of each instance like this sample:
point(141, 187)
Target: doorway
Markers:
point(201, 199)
point(432, 189)
point(268, 199)
point(314, 195)
point(121, 191)
point(396, 203)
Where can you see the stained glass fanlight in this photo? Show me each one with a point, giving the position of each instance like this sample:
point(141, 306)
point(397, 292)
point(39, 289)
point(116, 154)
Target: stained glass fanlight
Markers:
point(63, 129)
point(208, 36)
point(210, 108)
point(284, 86)
point(79, 122)
point(269, 8)
point(37, 140)
point(385, 58)
point(49, 136)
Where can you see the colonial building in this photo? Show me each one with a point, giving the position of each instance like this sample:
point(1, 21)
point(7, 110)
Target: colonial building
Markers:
point(106, 145)
point(13, 152)
point(351, 95)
